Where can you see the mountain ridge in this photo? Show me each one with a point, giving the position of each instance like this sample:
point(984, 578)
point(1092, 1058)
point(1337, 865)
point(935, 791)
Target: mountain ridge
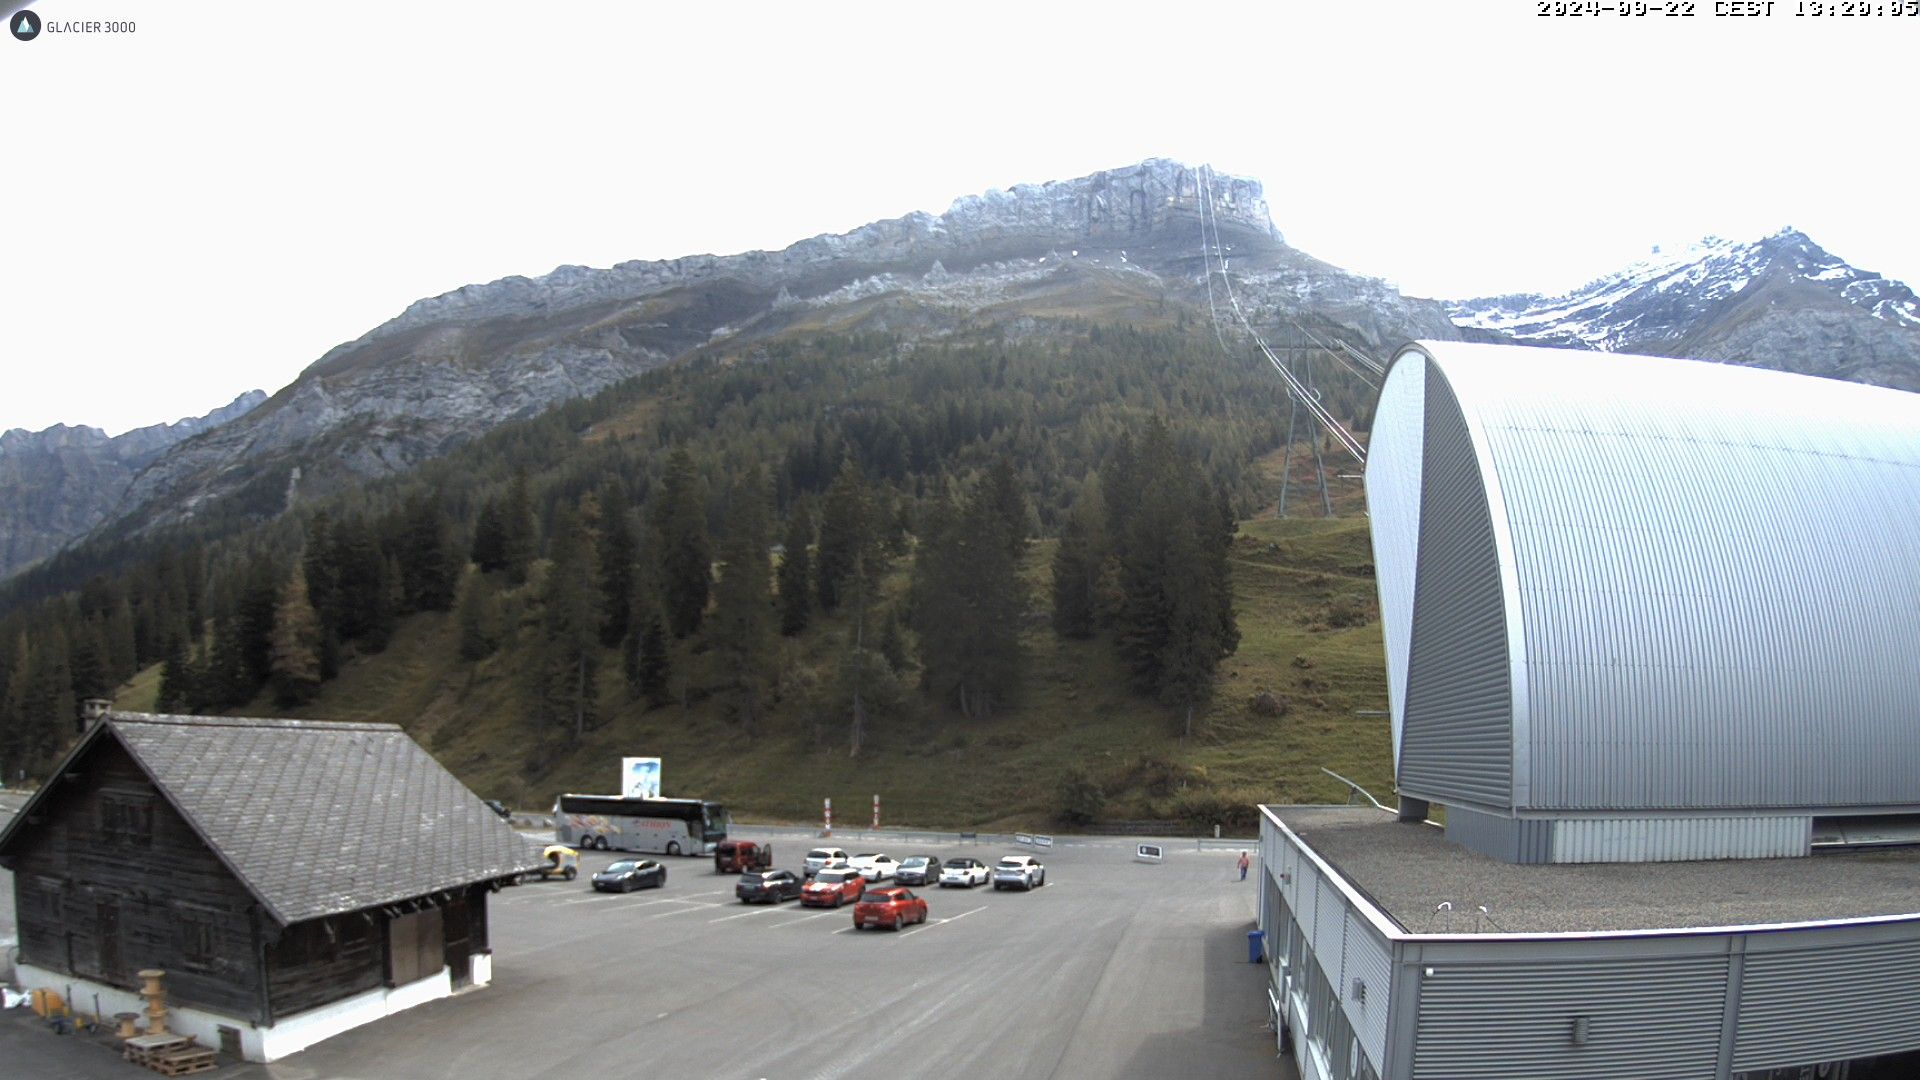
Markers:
point(1781, 301)
point(62, 481)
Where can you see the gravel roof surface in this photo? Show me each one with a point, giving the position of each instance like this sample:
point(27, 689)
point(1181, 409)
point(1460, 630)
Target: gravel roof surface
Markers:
point(1409, 870)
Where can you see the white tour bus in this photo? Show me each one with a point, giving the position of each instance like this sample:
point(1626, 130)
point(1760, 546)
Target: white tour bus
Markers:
point(656, 826)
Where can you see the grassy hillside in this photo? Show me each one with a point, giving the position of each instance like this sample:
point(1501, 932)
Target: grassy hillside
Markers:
point(1309, 636)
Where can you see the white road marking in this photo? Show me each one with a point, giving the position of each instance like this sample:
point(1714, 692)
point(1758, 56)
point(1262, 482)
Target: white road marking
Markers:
point(810, 918)
point(768, 910)
point(691, 906)
point(931, 923)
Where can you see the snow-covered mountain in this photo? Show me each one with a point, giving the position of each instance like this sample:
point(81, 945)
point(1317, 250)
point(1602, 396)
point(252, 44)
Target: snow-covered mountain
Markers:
point(1782, 302)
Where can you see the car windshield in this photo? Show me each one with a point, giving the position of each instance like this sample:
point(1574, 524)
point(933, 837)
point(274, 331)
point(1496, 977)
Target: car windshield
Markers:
point(869, 855)
point(754, 879)
point(876, 898)
point(959, 864)
point(914, 863)
point(831, 877)
point(823, 854)
point(623, 867)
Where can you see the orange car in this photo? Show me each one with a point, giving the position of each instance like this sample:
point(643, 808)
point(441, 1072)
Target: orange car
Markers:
point(893, 907)
point(833, 887)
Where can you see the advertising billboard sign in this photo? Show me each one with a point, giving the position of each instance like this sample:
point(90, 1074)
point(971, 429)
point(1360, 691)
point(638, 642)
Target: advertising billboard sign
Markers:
point(640, 778)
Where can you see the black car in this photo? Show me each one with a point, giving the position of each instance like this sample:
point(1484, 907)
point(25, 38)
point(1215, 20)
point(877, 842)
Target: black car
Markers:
point(767, 886)
point(629, 874)
point(918, 870)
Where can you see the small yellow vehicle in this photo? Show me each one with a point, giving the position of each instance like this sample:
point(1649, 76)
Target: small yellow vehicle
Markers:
point(561, 862)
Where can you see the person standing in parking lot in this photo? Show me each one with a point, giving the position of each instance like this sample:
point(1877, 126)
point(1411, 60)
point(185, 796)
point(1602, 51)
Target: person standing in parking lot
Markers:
point(1244, 863)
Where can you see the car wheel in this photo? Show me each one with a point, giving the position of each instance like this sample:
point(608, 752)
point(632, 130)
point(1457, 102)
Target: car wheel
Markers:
point(570, 873)
point(673, 849)
point(896, 924)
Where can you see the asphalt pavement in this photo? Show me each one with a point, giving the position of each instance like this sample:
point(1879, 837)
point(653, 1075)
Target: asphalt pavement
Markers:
point(1115, 968)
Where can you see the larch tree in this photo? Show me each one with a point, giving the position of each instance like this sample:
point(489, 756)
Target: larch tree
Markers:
point(295, 664)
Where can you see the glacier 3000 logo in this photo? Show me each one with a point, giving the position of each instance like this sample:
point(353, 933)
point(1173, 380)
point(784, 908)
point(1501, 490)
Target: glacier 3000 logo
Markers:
point(25, 26)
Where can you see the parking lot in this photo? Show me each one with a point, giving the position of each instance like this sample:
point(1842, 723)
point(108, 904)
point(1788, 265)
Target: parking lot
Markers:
point(1116, 968)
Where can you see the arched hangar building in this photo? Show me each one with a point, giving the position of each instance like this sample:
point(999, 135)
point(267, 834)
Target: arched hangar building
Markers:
point(1653, 647)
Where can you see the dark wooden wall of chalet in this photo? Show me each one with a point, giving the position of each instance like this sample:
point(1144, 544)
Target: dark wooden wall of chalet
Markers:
point(324, 960)
point(87, 898)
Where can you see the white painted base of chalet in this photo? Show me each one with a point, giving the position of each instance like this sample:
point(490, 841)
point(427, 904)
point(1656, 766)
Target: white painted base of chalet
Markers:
point(288, 1035)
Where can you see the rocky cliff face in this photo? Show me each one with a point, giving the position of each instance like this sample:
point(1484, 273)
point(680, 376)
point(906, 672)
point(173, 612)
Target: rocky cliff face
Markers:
point(57, 484)
point(452, 366)
point(1781, 302)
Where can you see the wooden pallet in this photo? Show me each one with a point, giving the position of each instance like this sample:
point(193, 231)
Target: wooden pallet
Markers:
point(182, 1062)
point(145, 1049)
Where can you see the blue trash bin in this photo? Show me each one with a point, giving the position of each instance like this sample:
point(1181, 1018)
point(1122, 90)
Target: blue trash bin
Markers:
point(1256, 946)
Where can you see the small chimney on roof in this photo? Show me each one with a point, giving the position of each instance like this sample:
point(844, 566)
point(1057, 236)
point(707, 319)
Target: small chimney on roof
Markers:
point(93, 710)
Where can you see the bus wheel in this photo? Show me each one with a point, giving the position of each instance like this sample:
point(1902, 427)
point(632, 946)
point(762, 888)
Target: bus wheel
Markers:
point(673, 848)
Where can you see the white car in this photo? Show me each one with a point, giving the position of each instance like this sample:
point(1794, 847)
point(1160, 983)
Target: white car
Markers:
point(822, 857)
point(1019, 871)
point(965, 873)
point(875, 867)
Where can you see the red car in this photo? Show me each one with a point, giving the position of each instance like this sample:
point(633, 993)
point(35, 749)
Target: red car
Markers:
point(833, 887)
point(889, 907)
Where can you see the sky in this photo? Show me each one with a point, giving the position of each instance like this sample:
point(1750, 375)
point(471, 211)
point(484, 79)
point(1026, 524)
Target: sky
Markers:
point(207, 204)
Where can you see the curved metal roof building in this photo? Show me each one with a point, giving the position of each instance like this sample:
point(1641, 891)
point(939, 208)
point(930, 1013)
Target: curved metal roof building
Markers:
point(1645, 608)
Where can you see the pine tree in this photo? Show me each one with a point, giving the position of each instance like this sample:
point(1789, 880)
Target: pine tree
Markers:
point(489, 548)
point(651, 673)
point(295, 663)
point(1004, 496)
point(796, 573)
point(177, 691)
point(429, 562)
point(619, 552)
point(519, 531)
point(967, 603)
point(480, 617)
point(686, 560)
point(569, 652)
point(846, 532)
point(1074, 575)
point(741, 629)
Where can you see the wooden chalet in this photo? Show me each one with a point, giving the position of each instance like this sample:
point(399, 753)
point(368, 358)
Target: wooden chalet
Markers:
point(293, 878)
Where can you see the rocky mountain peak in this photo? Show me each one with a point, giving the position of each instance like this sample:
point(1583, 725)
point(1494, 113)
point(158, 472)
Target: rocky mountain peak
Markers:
point(1781, 301)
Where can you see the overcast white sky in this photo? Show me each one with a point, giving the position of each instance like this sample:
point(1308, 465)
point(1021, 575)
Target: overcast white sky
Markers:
point(208, 204)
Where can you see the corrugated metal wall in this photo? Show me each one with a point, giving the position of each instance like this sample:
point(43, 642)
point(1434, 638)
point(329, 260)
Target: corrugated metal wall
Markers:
point(1458, 738)
point(1393, 508)
point(1594, 840)
point(1718, 601)
point(1827, 1004)
point(1520, 840)
point(1370, 960)
point(1647, 1019)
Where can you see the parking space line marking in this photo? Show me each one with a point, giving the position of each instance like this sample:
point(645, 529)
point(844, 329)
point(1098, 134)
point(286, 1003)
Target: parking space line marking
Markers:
point(684, 910)
point(810, 918)
point(931, 923)
point(770, 909)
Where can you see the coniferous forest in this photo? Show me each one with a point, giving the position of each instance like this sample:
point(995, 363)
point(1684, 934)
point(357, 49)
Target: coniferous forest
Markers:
point(828, 538)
